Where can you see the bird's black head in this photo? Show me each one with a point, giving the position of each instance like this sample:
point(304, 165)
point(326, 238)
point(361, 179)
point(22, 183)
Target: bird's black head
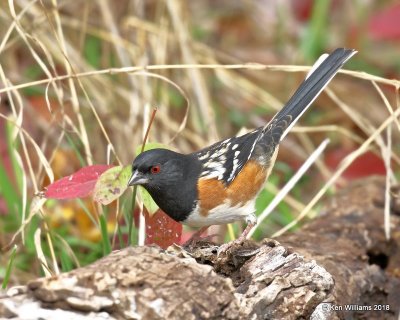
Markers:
point(157, 168)
point(170, 178)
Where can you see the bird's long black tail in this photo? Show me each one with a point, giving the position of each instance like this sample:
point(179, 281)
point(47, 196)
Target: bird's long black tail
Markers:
point(318, 78)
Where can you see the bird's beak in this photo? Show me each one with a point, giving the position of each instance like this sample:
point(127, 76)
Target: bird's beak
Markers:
point(137, 178)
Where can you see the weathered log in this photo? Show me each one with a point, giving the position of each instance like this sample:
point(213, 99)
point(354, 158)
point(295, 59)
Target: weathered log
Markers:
point(339, 261)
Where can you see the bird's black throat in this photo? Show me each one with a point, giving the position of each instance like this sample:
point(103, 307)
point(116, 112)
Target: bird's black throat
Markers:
point(177, 195)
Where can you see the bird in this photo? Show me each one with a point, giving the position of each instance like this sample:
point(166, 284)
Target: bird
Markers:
point(219, 184)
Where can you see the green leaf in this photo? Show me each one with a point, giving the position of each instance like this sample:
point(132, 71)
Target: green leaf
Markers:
point(148, 201)
point(66, 261)
point(111, 184)
point(9, 267)
point(104, 235)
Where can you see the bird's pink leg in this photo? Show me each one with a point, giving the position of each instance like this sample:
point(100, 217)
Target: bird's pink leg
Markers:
point(225, 247)
point(197, 236)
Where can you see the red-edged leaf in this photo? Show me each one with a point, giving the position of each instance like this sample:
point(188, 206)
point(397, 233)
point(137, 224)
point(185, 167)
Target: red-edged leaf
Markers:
point(78, 185)
point(162, 230)
point(385, 24)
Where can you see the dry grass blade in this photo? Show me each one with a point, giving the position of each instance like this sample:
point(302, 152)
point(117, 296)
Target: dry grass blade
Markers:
point(39, 152)
point(123, 70)
point(362, 122)
point(73, 91)
point(387, 158)
point(24, 189)
point(39, 252)
point(35, 206)
point(180, 90)
point(51, 249)
point(387, 153)
point(347, 161)
point(69, 250)
point(290, 200)
point(329, 128)
point(13, 25)
point(308, 145)
point(290, 184)
point(197, 80)
point(386, 102)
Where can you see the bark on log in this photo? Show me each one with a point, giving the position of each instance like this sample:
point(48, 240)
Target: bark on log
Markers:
point(338, 261)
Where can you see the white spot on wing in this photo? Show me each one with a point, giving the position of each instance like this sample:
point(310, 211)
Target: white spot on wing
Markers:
point(317, 64)
point(213, 164)
point(253, 146)
point(204, 156)
point(234, 168)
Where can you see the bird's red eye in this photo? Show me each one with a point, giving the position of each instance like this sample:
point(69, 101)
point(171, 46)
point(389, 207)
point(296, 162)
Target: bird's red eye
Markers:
point(155, 169)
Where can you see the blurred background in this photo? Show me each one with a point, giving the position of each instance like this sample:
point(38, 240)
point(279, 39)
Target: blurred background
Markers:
point(98, 112)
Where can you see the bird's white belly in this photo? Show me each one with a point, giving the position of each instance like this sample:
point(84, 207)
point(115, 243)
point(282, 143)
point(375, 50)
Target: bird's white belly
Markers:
point(222, 214)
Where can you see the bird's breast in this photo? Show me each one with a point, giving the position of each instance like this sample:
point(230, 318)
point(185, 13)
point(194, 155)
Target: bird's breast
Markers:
point(222, 214)
point(220, 204)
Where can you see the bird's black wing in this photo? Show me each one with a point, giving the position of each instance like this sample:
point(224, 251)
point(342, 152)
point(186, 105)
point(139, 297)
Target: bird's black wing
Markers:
point(225, 159)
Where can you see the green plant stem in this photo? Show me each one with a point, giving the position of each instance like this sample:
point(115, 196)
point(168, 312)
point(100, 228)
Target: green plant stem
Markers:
point(9, 267)
point(104, 234)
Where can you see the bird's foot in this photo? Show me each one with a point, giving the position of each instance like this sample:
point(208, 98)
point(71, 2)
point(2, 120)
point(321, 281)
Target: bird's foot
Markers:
point(227, 247)
point(196, 237)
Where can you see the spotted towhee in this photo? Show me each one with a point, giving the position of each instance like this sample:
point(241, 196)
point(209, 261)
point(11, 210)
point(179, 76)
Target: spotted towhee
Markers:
point(220, 183)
